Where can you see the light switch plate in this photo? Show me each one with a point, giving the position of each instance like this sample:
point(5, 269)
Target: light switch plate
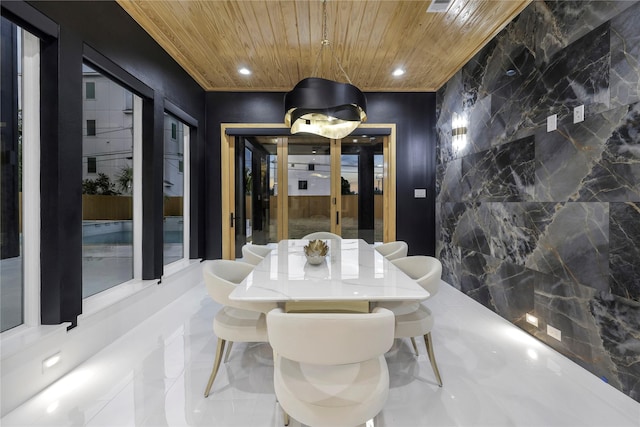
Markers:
point(552, 122)
point(420, 193)
point(578, 114)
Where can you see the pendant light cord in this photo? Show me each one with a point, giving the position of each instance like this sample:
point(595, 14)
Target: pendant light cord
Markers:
point(325, 43)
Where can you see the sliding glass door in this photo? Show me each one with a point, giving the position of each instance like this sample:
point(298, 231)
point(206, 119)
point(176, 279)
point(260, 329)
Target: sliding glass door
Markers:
point(309, 185)
point(284, 187)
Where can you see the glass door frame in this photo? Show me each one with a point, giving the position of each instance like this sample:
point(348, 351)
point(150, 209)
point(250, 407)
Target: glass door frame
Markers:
point(227, 170)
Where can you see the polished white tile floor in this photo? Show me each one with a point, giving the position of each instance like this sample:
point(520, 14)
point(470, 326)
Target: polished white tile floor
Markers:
point(494, 375)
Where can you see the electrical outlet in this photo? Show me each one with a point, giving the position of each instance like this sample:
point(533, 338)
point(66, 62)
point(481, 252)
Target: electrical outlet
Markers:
point(578, 114)
point(552, 122)
point(554, 333)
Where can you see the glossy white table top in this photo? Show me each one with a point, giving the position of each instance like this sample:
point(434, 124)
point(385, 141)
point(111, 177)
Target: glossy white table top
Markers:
point(353, 271)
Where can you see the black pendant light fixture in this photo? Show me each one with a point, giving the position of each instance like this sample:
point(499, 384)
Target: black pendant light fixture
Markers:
point(325, 107)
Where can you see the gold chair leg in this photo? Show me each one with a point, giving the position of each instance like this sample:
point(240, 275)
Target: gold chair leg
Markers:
point(415, 347)
point(432, 357)
point(226, 356)
point(286, 418)
point(216, 365)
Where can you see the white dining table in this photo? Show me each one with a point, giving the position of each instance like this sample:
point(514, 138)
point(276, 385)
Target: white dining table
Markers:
point(353, 275)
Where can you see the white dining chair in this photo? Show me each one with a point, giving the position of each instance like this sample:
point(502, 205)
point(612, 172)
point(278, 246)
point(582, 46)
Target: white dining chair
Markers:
point(321, 235)
point(415, 319)
point(329, 368)
point(254, 254)
point(393, 250)
point(236, 321)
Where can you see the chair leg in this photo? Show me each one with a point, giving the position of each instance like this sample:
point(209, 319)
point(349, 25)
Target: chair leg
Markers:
point(415, 347)
point(432, 357)
point(286, 417)
point(216, 365)
point(226, 356)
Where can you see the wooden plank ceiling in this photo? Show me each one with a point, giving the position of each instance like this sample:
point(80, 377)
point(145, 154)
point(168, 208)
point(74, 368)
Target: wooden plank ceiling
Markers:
point(280, 41)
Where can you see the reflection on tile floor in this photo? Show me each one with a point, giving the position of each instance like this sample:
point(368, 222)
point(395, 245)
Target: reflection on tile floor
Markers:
point(493, 373)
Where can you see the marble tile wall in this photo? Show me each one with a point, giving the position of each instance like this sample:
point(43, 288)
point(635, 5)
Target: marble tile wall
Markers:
point(548, 223)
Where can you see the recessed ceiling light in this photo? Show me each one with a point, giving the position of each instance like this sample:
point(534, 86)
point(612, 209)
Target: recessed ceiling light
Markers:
point(398, 72)
point(244, 71)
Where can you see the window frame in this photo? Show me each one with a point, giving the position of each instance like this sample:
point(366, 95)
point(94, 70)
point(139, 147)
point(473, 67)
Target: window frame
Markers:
point(92, 164)
point(190, 136)
point(91, 127)
point(31, 97)
point(104, 67)
point(186, 188)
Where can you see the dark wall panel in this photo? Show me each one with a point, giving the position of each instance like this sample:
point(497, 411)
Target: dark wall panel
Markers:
point(61, 180)
point(414, 114)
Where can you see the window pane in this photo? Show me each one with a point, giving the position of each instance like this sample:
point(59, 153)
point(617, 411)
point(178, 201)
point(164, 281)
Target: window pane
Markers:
point(90, 90)
point(11, 271)
point(91, 128)
point(92, 165)
point(107, 200)
point(174, 134)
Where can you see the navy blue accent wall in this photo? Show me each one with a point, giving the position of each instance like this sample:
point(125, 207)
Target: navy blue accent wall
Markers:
point(414, 114)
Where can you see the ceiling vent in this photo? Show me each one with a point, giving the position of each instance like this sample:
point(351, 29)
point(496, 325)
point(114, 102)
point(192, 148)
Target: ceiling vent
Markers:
point(439, 6)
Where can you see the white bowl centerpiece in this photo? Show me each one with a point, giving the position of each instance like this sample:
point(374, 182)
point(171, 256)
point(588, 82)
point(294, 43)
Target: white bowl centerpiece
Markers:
point(315, 251)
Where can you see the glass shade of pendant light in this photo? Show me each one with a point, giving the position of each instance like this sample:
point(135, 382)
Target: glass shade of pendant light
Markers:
point(325, 107)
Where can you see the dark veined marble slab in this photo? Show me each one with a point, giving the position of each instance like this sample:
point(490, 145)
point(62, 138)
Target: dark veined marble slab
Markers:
point(566, 306)
point(449, 256)
point(500, 108)
point(563, 244)
point(578, 74)
point(565, 158)
point(618, 322)
point(504, 287)
point(508, 231)
point(624, 251)
point(449, 185)
point(598, 332)
point(575, 245)
point(625, 57)
point(504, 173)
point(616, 176)
point(559, 23)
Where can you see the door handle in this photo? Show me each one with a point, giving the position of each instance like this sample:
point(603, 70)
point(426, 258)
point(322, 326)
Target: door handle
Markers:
point(233, 220)
point(337, 218)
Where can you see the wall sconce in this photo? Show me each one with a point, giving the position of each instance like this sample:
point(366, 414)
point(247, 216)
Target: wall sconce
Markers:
point(458, 132)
